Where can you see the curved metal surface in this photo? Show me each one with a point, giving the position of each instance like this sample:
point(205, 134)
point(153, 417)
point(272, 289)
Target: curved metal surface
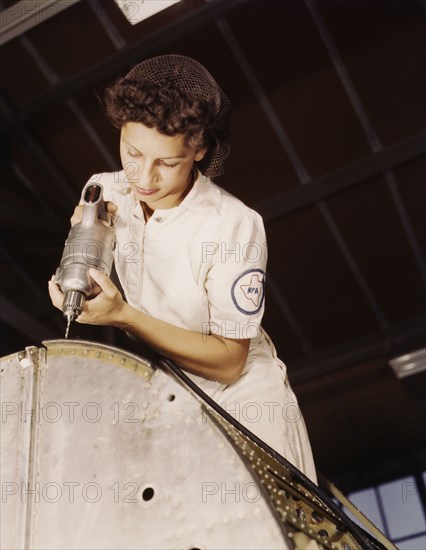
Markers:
point(308, 513)
point(102, 449)
point(123, 456)
point(17, 385)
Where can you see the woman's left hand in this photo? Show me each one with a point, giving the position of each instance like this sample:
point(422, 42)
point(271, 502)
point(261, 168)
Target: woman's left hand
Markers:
point(100, 310)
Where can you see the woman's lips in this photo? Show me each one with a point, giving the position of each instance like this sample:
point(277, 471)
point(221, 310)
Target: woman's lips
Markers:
point(146, 192)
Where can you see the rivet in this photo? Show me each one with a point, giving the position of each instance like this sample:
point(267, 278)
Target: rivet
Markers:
point(316, 518)
point(300, 514)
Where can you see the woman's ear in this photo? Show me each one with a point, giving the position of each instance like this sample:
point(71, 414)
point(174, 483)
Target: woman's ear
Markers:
point(199, 155)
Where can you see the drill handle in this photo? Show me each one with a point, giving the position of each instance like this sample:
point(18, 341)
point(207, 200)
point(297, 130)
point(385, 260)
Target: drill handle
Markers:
point(94, 205)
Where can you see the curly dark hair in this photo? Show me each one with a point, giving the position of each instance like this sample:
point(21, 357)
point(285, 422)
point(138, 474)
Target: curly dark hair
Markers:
point(167, 109)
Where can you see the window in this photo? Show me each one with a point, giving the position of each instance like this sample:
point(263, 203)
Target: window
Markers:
point(397, 509)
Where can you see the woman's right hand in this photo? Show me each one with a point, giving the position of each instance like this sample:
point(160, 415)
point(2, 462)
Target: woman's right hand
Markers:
point(111, 208)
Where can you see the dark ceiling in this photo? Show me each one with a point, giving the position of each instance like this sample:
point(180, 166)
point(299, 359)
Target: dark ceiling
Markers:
point(328, 145)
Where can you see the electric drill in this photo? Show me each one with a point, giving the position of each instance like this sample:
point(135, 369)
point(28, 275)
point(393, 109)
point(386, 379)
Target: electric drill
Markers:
point(90, 243)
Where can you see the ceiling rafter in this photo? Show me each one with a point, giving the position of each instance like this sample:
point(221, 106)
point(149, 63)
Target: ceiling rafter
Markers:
point(29, 185)
point(258, 91)
point(282, 304)
point(26, 14)
point(288, 147)
point(370, 133)
point(150, 44)
point(110, 28)
point(385, 342)
point(301, 172)
point(354, 173)
point(72, 105)
point(21, 135)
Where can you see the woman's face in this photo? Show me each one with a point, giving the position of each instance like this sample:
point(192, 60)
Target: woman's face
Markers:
point(158, 167)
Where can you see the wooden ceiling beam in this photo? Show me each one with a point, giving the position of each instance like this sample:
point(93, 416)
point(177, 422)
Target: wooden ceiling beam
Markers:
point(398, 338)
point(346, 176)
point(133, 53)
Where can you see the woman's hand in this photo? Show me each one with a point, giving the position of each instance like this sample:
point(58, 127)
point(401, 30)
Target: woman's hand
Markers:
point(103, 309)
point(212, 357)
point(110, 207)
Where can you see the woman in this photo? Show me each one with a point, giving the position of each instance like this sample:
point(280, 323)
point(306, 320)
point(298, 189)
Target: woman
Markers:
point(191, 257)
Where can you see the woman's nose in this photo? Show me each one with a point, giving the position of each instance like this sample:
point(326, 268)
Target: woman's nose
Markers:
point(146, 174)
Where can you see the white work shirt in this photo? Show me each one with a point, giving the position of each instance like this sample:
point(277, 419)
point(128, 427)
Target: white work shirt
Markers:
point(201, 266)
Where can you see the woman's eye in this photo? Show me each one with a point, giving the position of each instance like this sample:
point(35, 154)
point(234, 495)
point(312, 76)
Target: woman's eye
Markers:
point(169, 165)
point(134, 155)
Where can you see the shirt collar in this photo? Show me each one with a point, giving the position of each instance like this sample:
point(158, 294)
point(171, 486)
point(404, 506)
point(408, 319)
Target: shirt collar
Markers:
point(204, 195)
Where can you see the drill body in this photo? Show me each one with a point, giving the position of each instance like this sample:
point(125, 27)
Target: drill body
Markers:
point(90, 243)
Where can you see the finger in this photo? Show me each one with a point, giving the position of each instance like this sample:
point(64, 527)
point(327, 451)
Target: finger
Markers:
point(77, 214)
point(103, 281)
point(56, 295)
point(111, 207)
point(111, 210)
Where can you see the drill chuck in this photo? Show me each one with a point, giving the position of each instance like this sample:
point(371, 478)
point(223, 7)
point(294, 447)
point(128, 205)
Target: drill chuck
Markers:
point(73, 304)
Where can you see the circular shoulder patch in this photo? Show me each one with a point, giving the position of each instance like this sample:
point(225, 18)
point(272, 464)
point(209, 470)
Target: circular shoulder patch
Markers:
point(248, 291)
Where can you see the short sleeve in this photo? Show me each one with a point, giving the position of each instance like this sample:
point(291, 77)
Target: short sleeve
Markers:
point(235, 282)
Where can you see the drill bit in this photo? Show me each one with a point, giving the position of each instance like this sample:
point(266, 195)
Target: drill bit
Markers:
point(72, 306)
point(67, 330)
